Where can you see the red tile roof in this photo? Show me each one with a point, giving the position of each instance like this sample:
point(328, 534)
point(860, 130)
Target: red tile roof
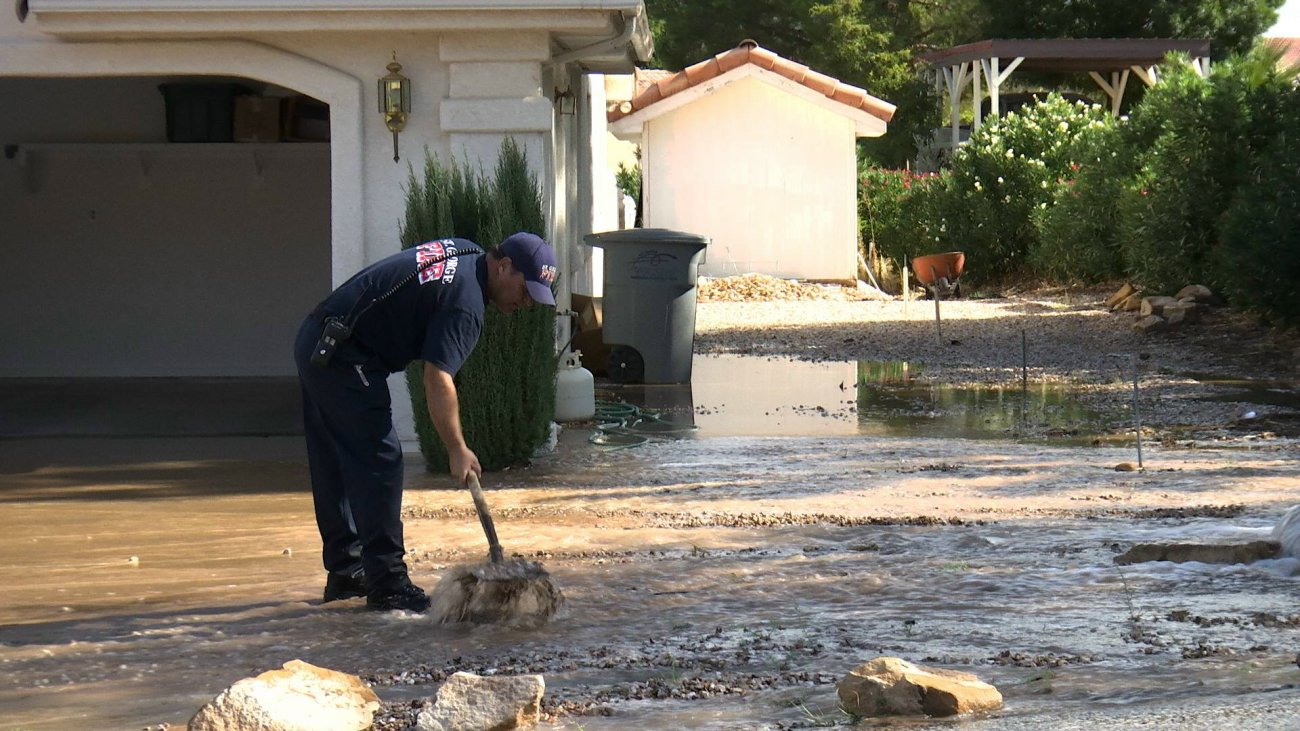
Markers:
point(645, 78)
point(659, 88)
point(1290, 49)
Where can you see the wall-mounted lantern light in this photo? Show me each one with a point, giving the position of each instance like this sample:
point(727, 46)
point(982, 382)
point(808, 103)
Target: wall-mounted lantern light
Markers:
point(565, 101)
point(395, 100)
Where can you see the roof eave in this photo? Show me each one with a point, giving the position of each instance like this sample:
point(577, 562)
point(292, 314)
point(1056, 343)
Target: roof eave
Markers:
point(51, 7)
point(78, 19)
point(866, 124)
point(1081, 49)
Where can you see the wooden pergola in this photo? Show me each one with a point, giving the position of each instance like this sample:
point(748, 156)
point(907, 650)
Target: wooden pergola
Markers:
point(1109, 61)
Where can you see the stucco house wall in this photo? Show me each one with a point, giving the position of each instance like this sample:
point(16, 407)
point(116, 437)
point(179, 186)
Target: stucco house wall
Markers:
point(201, 259)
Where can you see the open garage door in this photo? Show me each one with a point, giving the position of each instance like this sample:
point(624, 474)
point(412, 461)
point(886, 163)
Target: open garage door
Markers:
point(139, 242)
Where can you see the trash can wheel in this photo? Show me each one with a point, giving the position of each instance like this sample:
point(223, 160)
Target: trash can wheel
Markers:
point(625, 365)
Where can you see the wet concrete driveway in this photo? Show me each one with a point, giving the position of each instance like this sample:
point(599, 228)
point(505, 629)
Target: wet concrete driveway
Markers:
point(714, 582)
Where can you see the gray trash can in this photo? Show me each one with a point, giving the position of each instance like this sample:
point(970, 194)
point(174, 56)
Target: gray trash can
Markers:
point(649, 310)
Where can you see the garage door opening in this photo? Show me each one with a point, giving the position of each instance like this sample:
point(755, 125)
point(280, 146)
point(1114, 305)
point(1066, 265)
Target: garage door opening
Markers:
point(163, 238)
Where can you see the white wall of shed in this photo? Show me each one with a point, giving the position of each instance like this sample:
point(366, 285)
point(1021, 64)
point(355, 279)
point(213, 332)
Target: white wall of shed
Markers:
point(769, 177)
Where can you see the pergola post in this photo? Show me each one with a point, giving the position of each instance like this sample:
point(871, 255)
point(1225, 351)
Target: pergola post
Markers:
point(995, 89)
point(1114, 89)
point(976, 98)
point(1148, 75)
point(996, 78)
point(955, 78)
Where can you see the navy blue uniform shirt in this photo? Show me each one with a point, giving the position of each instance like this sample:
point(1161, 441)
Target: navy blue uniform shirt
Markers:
point(437, 316)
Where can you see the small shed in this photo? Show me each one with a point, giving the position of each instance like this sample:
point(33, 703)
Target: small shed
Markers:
point(758, 153)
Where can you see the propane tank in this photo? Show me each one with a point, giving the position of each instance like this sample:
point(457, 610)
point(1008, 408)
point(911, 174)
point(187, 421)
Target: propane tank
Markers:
point(575, 390)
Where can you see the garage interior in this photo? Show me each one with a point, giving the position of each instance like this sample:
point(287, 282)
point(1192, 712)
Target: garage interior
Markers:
point(155, 271)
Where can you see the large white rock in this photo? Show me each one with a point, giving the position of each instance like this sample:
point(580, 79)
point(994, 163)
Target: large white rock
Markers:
point(1150, 323)
point(298, 697)
point(1182, 312)
point(1115, 300)
point(1287, 533)
point(890, 686)
point(1155, 305)
point(1227, 553)
point(1198, 292)
point(468, 702)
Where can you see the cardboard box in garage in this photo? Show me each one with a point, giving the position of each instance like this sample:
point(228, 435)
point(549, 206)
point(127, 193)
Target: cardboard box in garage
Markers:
point(257, 119)
point(589, 336)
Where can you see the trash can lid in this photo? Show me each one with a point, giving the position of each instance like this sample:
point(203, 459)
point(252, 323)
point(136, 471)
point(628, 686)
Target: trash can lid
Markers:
point(645, 236)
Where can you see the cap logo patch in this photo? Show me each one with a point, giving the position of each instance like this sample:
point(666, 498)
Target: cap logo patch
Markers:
point(547, 274)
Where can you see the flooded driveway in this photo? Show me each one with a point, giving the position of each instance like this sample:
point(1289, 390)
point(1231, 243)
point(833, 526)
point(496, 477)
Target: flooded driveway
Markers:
point(719, 581)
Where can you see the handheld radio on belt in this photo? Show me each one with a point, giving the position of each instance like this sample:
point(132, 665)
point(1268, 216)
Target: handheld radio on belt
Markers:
point(339, 329)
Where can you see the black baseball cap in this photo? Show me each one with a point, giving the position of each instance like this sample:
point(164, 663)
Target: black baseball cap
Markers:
point(535, 259)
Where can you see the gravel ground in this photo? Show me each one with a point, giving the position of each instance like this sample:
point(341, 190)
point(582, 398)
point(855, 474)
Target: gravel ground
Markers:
point(1067, 335)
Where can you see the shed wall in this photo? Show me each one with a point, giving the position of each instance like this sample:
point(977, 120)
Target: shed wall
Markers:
point(769, 177)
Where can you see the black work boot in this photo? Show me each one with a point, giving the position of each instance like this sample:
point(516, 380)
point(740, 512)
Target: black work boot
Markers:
point(396, 591)
point(345, 586)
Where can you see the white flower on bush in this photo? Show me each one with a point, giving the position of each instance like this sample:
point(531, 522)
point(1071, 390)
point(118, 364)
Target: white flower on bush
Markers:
point(1000, 180)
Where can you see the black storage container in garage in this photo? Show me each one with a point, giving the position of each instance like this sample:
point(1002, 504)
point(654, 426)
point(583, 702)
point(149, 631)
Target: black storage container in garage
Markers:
point(201, 111)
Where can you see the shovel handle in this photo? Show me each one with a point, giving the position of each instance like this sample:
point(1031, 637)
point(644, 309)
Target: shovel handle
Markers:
point(495, 554)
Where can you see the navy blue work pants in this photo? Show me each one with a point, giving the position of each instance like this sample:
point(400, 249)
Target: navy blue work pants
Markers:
point(355, 458)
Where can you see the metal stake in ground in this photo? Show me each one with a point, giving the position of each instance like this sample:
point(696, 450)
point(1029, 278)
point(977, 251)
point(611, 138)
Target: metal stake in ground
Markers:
point(907, 286)
point(1137, 417)
point(1024, 382)
point(934, 292)
point(501, 591)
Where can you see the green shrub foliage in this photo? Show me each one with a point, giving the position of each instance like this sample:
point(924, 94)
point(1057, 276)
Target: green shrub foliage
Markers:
point(506, 388)
point(896, 213)
point(1198, 186)
point(1197, 141)
point(1004, 176)
point(1259, 258)
point(1078, 239)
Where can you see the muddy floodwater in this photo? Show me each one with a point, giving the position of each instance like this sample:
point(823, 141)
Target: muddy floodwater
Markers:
point(723, 578)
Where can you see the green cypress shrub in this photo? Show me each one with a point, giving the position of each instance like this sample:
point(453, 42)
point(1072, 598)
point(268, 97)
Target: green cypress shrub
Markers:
point(506, 388)
point(1258, 259)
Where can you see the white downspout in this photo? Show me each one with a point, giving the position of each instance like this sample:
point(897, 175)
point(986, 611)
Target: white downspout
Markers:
point(555, 66)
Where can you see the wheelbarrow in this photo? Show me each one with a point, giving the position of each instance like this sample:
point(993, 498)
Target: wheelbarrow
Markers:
point(939, 273)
